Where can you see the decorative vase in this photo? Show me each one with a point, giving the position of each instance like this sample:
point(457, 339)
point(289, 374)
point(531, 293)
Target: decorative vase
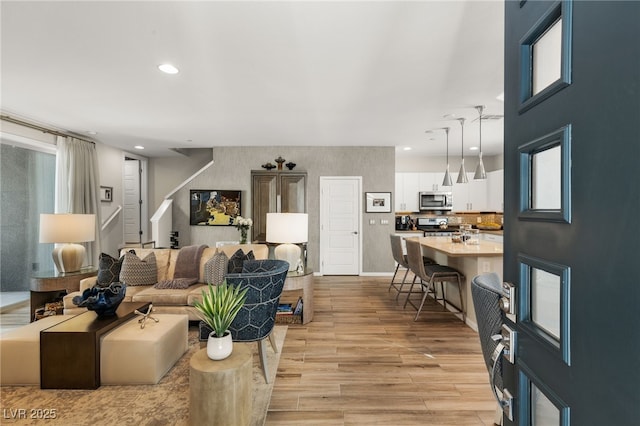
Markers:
point(103, 300)
point(219, 348)
point(243, 236)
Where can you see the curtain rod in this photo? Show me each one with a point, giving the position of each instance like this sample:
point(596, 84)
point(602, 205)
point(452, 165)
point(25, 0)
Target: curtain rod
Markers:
point(40, 128)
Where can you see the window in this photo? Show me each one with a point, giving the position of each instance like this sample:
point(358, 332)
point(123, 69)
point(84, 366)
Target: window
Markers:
point(28, 187)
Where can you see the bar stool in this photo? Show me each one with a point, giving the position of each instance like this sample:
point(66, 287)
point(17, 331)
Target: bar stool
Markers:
point(401, 260)
point(430, 274)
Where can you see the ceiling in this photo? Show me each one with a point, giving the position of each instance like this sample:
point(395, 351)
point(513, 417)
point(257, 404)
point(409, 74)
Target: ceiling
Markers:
point(360, 73)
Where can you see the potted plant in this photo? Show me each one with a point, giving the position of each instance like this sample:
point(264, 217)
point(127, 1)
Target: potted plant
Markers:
point(219, 306)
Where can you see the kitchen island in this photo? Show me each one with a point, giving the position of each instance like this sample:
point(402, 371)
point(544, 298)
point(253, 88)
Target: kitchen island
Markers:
point(469, 259)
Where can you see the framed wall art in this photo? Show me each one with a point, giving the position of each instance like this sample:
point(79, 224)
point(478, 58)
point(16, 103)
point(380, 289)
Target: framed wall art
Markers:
point(378, 202)
point(211, 207)
point(106, 194)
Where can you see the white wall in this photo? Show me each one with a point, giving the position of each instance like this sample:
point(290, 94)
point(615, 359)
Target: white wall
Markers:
point(165, 173)
point(110, 163)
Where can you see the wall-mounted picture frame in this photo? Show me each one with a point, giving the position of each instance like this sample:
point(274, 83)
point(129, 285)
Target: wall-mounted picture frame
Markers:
point(214, 207)
point(378, 202)
point(106, 194)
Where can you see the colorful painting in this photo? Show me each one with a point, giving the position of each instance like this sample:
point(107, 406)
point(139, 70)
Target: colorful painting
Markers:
point(214, 207)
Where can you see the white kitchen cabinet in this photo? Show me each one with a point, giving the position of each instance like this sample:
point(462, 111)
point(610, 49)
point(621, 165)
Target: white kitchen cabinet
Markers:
point(407, 188)
point(471, 195)
point(432, 182)
point(495, 190)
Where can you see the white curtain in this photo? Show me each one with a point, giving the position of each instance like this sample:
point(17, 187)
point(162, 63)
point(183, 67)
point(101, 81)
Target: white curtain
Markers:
point(78, 184)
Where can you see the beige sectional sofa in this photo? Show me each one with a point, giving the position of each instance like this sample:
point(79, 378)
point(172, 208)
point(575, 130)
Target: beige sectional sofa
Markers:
point(173, 301)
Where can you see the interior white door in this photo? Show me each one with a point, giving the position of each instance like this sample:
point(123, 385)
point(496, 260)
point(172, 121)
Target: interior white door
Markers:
point(131, 203)
point(340, 224)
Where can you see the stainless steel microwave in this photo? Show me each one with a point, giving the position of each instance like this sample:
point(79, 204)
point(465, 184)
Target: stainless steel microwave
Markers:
point(435, 200)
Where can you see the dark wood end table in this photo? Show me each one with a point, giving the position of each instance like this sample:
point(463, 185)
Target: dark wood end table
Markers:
point(45, 285)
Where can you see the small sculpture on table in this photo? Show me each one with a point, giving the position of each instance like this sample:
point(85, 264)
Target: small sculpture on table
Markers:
point(280, 160)
point(103, 300)
point(145, 316)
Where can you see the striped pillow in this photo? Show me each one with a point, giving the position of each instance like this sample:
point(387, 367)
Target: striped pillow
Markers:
point(135, 271)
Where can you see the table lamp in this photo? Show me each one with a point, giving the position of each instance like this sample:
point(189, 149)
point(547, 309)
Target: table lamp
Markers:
point(68, 229)
point(288, 229)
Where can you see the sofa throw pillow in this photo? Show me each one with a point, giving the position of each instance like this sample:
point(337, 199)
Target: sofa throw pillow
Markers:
point(139, 272)
point(237, 259)
point(176, 283)
point(109, 269)
point(216, 268)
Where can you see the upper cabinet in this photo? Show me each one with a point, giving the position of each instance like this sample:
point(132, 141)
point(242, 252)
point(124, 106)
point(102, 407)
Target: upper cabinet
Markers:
point(273, 192)
point(407, 188)
point(433, 182)
point(476, 195)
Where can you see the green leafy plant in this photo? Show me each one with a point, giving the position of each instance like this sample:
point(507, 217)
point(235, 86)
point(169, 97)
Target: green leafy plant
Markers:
point(219, 306)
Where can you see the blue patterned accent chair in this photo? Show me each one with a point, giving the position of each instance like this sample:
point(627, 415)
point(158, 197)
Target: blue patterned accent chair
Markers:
point(256, 319)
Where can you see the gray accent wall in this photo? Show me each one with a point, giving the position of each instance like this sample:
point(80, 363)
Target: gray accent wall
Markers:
point(232, 171)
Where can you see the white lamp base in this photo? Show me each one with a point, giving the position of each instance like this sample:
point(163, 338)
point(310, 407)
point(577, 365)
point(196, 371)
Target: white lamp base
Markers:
point(290, 253)
point(69, 257)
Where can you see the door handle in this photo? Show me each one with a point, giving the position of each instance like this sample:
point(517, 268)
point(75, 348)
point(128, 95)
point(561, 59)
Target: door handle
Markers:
point(355, 232)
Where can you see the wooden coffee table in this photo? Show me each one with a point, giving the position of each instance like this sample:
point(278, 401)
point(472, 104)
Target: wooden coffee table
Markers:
point(70, 351)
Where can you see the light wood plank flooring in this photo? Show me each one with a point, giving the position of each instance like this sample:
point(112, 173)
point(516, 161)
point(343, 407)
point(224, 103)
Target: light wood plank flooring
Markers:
point(364, 361)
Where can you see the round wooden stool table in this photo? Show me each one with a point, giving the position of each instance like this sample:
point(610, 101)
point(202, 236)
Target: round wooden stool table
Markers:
point(220, 391)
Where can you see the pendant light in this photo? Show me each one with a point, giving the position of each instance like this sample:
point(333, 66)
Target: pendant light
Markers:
point(462, 174)
point(447, 177)
point(480, 174)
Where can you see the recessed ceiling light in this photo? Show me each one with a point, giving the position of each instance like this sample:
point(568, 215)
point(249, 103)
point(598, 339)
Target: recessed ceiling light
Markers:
point(473, 148)
point(407, 148)
point(139, 147)
point(92, 133)
point(168, 68)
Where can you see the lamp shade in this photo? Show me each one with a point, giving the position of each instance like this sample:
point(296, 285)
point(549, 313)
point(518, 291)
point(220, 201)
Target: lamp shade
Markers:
point(67, 228)
point(287, 227)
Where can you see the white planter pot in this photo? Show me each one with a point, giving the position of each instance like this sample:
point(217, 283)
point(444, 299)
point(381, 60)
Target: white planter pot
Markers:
point(219, 348)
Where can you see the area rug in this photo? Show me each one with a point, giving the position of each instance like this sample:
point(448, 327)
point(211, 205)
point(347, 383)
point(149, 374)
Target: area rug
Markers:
point(166, 403)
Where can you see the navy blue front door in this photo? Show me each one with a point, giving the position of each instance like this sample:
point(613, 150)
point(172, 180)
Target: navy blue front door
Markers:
point(572, 211)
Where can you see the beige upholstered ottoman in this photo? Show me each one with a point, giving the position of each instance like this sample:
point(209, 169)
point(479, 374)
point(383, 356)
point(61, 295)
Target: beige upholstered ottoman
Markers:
point(131, 355)
point(20, 352)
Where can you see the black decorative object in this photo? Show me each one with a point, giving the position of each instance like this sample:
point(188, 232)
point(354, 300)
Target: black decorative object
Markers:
point(103, 300)
point(173, 238)
point(290, 165)
point(280, 160)
point(268, 166)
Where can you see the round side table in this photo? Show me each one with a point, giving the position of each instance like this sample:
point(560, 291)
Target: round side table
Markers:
point(221, 390)
point(302, 281)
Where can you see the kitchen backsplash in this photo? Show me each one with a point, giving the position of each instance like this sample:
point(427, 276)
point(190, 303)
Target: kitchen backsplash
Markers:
point(468, 218)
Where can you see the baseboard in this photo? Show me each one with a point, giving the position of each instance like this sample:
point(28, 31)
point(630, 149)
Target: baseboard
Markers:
point(364, 274)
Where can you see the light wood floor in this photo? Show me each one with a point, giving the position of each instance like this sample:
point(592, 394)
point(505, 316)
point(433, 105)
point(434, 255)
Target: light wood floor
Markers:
point(364, 361)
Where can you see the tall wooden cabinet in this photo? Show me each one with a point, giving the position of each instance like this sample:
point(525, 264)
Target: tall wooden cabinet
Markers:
point(275, 191)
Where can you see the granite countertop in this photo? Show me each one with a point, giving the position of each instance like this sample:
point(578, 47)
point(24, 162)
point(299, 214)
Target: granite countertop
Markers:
point(444, 245)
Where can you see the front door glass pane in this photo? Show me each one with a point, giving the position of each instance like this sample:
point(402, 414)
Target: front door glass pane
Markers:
point(545, 301)
point(546, 171)
point(547, 58)
point(543, 412)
